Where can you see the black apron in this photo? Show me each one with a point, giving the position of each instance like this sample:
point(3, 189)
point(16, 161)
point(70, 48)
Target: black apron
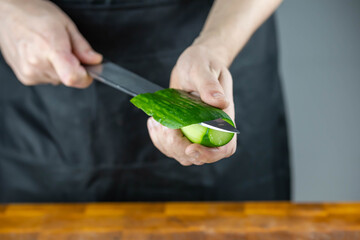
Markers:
point(62, 144)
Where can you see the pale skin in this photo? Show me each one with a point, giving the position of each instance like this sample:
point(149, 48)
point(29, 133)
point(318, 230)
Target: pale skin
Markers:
point(43, 46)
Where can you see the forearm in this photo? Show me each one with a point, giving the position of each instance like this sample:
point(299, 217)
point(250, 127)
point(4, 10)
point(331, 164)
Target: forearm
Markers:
point(231, 23)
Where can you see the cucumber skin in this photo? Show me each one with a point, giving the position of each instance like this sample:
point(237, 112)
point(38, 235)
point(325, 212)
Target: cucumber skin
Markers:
point(175, 108)
point(206, 140)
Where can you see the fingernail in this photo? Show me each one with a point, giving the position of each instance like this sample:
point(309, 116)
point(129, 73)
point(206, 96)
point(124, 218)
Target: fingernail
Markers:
point(194, 155)
point(92, 53)
point(218, 95)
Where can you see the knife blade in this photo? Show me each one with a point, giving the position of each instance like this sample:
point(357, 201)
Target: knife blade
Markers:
point(128, 82)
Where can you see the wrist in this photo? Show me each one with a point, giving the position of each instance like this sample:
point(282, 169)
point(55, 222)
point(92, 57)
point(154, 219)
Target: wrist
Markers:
point(213, 43)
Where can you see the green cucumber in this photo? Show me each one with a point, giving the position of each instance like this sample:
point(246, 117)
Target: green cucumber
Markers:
point(178, 109)
point(208, 137)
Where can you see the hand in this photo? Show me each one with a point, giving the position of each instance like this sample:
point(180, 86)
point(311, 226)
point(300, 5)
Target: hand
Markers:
point(202, 72)
point(42, 45)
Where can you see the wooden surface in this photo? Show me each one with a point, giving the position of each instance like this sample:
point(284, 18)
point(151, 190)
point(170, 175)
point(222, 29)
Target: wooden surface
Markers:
point(117, 221)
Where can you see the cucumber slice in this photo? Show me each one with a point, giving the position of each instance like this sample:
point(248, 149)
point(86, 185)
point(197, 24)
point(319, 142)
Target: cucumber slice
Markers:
point(206, 136)
point(195, 132)
point(219, 138)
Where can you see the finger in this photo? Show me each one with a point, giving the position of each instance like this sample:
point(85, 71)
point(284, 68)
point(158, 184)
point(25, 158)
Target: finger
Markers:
point(81, 48)
point(155, 132)
point(36, 59)
point(176, 143)
point(69, 70)
point(169, 141)
point(160, 137)
point(208, 85)
point(51, 75)
point(66, 65)
point(226, 82)
point(42, 77)
point(33, 68)
point(174, 79)
point(48, 75)
point(211, 155)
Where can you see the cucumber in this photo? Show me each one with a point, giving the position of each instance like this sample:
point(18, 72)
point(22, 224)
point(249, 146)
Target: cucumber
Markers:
point(206, 136)
point(178, 109)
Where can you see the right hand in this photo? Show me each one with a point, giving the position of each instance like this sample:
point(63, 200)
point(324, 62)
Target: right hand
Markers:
point(42, 45)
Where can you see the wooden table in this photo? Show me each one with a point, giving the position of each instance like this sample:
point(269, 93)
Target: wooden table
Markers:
point(200, 221)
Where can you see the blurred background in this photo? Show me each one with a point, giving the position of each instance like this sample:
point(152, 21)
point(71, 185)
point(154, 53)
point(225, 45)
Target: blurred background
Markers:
point(320, 67)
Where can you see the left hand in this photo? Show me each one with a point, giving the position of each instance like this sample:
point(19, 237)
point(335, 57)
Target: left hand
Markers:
point(202, 72)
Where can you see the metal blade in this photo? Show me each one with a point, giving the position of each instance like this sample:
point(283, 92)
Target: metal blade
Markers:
point(122, 79)
point(117, 77)
point(220, 125)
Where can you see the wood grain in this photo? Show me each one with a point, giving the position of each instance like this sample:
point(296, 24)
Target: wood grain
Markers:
point(172, 220)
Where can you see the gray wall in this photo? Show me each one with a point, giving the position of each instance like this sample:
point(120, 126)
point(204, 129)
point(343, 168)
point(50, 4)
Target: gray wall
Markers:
point(320, 66)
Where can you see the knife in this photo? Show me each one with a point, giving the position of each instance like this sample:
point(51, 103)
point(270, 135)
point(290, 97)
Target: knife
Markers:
point(119, 78)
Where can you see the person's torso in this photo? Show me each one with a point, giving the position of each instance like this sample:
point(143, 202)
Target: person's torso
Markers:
point(95, 141)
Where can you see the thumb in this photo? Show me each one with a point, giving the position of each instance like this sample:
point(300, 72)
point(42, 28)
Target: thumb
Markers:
point(210, 89)
point(81, 48)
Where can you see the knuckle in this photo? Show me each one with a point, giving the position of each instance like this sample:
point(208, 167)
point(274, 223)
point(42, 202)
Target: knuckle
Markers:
point(28, 72)
point(34, 61)
point(70, 81)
